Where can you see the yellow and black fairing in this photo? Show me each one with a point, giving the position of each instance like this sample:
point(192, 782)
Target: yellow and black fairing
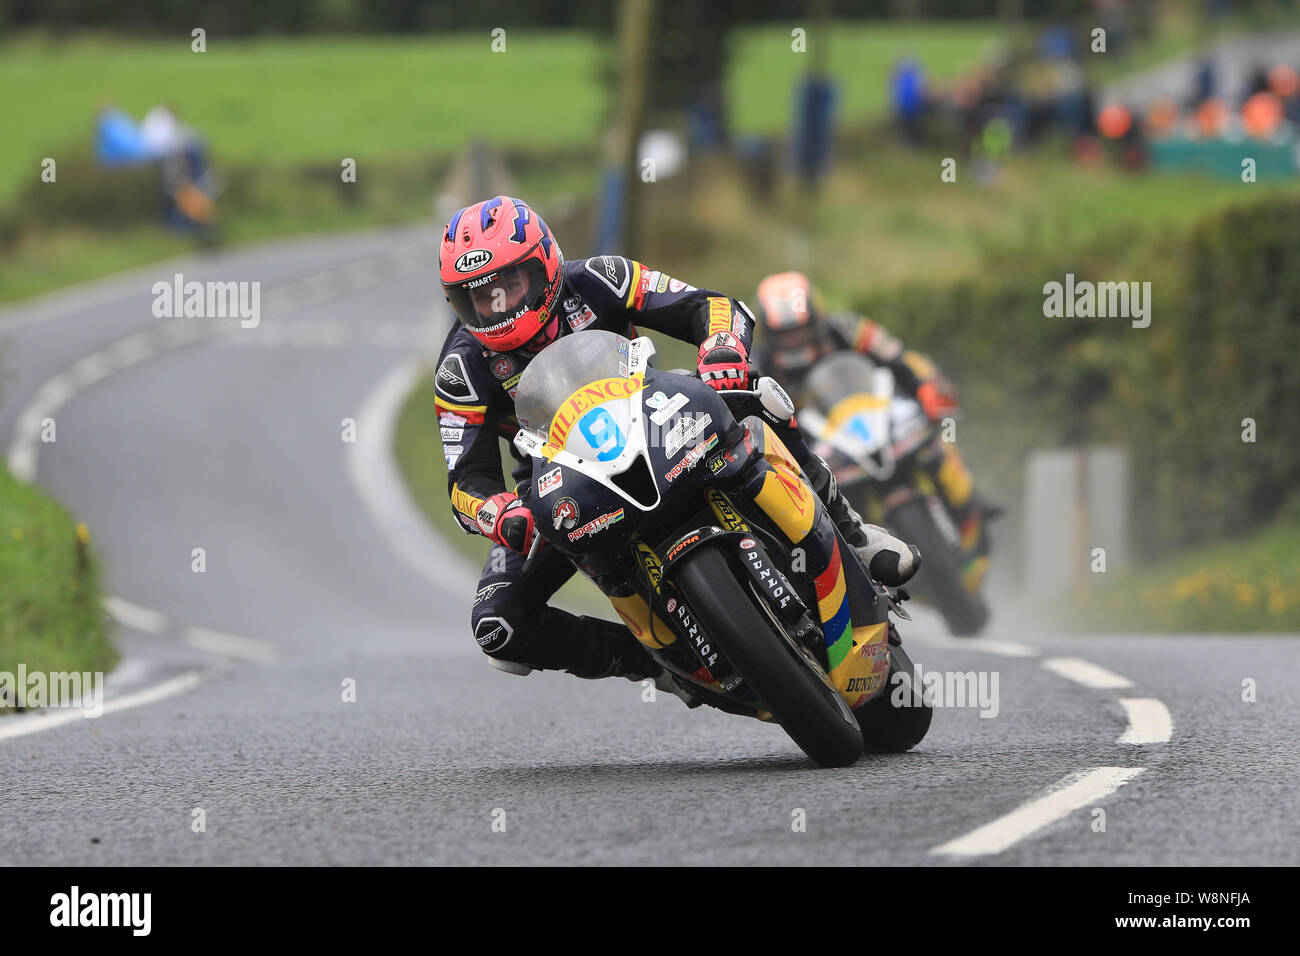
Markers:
point(759, 492)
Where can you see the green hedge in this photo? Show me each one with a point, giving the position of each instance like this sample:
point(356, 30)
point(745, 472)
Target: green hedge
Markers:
point(1223, 345)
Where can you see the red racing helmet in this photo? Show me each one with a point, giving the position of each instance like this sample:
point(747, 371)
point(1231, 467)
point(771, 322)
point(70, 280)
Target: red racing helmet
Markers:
point(502, 272)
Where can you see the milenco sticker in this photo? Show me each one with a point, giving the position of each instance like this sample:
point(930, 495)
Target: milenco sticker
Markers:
point(597, 393)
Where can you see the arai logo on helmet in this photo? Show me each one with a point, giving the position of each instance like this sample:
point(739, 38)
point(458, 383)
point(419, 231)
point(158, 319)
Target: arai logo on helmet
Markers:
point(473, 260)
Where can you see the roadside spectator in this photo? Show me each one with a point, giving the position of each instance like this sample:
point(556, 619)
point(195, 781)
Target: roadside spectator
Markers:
point(178, 151)
point(907, 98)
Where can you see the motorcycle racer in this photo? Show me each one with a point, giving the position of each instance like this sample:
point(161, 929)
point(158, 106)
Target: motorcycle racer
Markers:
point(513, 294)
point(798, 332)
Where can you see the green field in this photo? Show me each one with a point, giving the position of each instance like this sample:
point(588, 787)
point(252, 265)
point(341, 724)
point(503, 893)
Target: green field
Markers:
point(281, 113)
point(286, 102)
point(50, 616)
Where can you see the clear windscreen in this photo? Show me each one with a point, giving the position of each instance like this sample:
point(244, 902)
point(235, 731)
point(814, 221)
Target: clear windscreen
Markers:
point(838, 377)
point(564, 367)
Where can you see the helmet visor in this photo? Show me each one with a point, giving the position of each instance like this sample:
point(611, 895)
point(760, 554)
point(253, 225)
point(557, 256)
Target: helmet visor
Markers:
point(793, 349)
point(493, 302)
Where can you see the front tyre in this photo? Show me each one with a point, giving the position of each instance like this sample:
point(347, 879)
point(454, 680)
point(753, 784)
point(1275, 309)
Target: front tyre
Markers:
point(790, 684)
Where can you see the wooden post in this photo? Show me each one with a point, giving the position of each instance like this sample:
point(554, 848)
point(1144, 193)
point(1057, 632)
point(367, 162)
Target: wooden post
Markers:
point(635, 28)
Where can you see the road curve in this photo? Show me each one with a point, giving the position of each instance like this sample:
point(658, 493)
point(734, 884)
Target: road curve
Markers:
point(174, 435)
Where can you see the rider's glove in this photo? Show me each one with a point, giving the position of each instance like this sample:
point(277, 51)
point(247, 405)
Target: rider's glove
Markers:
point(724, 362)
point(938, 398)
point(507, 520)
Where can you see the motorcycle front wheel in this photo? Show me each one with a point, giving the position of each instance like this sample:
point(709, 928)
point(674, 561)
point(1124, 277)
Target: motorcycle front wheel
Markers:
point(788, 680)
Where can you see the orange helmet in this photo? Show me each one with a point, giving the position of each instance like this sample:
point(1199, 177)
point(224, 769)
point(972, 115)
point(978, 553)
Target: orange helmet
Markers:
point(1262, 114)
point(502, 272)
point(790, 315)
point(1114, 121)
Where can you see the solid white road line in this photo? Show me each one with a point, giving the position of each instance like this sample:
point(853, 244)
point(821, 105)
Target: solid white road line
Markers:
point(230, 645)
point(133, 616)
point(1149, 721)
point(374, 473)
point(1086, 673)
point(22, 725)
point(1069, 795)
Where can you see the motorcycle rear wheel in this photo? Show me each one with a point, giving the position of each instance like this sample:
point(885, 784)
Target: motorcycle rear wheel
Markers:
point(939, 580)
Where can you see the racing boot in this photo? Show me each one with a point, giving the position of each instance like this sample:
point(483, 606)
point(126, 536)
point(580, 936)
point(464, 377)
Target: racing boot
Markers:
point(891, 560)
point(609, 650)
point(631, 660)
point(669, 683)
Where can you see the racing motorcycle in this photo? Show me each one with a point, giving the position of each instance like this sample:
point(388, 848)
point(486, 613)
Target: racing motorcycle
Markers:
point(871, 438)
point(703, 534)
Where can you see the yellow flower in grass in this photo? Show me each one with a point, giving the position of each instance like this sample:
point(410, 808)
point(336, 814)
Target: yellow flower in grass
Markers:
point(1199, 585)
point(1245, 593)
point(1276, 595)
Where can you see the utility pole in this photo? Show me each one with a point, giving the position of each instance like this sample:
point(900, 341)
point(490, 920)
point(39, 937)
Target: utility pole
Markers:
point(636, 19)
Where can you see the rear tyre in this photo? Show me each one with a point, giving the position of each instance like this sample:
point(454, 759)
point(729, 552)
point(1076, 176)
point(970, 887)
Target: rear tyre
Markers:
point(939, 579)
point(789, 683)
point(894, 721)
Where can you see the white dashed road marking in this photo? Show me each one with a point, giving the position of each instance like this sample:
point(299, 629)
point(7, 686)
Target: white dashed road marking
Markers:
point(1086, 673)
point(135, 617)
point(1149, 721)
point(230, 645)
point(1068, 795)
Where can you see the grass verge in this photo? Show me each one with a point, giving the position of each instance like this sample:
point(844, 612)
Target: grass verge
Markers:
point(1233, 586)
point(50, 614)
